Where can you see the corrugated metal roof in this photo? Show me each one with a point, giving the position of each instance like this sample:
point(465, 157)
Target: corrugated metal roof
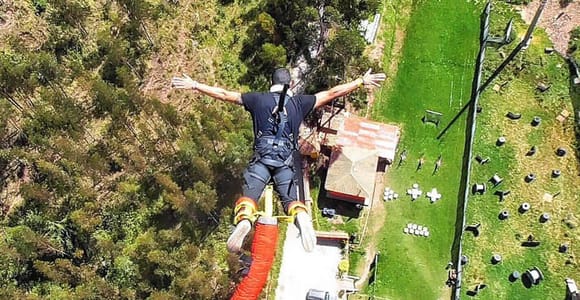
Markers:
point(352, 171)
point(365, 134)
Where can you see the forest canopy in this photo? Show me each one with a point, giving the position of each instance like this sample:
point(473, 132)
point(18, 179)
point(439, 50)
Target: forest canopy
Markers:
point(112, 185)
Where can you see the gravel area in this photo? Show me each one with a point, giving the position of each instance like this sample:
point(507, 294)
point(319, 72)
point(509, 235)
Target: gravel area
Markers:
point(558, 21)
point(301, 271)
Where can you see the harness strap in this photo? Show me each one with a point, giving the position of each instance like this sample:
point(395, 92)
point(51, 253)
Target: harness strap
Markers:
point(289, 161)
point(270, 141)
point(282, 116)
point(276, 163)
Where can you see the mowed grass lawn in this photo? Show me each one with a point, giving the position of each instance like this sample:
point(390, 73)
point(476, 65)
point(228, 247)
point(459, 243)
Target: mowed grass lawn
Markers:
point(434, 72)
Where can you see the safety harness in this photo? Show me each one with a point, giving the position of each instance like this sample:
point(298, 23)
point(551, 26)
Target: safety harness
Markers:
point(276, 151)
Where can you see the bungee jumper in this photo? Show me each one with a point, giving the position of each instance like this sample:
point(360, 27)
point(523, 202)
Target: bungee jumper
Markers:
point(275, 140)
point(276, 117)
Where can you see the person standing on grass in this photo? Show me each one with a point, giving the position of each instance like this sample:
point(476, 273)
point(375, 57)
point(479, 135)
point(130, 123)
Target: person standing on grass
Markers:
point(275, 140)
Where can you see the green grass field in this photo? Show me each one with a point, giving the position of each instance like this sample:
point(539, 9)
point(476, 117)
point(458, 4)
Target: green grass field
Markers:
point(511, 163)
point(434, 72)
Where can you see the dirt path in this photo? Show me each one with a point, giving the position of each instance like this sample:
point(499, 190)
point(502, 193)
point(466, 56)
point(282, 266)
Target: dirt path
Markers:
point(558, 21)
point(374, 221)
point(397, 48)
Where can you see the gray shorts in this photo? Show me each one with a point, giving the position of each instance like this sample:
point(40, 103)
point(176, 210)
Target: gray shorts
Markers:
point(257, 175)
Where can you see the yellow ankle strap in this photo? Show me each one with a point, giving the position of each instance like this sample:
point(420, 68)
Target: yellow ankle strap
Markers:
point(295, 207)
point(245, 209)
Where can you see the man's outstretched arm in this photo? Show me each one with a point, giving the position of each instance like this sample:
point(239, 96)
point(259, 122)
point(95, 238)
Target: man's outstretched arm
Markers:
point(346, 88)
point(187, 83)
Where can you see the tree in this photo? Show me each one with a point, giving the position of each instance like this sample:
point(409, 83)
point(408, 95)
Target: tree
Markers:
point(266, 26)
point(342, 49)
point(72, 13)
point(56, 114)
point(353, 11)
point(15, 73)
point(18, 247)
point(117, 52)
point(296, 23)
point(62, 41)
point(138, 11)
point(9, 130)
point(126, 197)
point(337, 60)
point(271, 56)
point(46, 69)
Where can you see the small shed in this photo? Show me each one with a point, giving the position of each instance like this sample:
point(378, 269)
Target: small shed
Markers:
point(360, 149)
point(351, 174)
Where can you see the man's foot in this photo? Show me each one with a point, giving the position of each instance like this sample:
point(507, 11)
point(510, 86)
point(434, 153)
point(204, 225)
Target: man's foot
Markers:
point(236, 239)
point(304, 224)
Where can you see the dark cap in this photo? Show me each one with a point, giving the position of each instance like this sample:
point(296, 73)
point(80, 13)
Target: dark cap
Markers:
point(281, 76)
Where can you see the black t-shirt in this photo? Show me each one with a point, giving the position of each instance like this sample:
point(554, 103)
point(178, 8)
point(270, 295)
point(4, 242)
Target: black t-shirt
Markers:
point(261, 106)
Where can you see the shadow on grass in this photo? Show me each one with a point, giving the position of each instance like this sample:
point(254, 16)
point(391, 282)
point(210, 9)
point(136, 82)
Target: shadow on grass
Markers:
point(471, 293)
point(476, 290)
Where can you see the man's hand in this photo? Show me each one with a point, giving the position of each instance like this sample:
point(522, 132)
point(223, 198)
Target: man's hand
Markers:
point(368, 79)
point(373, 79)
point(184, 82)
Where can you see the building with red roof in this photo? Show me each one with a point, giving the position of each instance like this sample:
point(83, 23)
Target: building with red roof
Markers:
point(360, 147)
